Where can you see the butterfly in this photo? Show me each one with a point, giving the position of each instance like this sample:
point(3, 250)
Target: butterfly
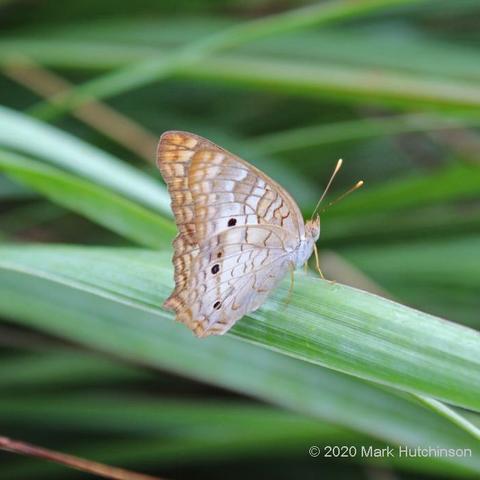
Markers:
point(239, 233)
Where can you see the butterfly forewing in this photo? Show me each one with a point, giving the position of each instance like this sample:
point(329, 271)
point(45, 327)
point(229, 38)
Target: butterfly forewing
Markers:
point(224, 206)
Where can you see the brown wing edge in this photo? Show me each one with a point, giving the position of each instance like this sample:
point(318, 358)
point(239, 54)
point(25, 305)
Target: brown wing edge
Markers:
point(174, 152)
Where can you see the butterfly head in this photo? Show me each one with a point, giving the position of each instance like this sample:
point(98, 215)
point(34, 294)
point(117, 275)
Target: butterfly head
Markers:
point(312, 228)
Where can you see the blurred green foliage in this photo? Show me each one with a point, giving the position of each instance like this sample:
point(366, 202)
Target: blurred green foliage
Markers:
point(91, 364)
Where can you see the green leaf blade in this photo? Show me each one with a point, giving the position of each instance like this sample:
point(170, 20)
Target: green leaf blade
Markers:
point(119, 214)
point(331, 325)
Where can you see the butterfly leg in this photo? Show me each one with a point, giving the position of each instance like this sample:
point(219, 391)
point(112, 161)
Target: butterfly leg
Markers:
point(291, 266)
point(317, 263)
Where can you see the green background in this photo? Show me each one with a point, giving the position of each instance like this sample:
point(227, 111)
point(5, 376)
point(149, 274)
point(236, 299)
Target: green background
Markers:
point(90, 363)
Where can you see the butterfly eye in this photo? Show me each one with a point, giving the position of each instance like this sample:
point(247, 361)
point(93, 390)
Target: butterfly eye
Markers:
point(219, 254)
point(217, 305)
point(232, 222)
point(215, 269)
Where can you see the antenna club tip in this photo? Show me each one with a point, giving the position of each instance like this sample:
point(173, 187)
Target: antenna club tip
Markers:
point(337, 168)
point(360, 183)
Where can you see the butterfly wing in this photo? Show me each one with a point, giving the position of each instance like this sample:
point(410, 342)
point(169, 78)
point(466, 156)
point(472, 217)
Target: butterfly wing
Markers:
point(233, 274)
point(214, 192)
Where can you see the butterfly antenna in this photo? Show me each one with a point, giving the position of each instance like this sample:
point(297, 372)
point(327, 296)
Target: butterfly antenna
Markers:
point(343, 195)
point(335, 171)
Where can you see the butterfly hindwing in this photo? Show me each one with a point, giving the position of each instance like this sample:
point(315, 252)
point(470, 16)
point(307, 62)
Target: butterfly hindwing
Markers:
point(233, 274)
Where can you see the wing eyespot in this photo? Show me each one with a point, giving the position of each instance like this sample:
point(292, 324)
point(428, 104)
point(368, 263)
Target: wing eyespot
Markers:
point(232, 222)
point(215, 268)
point(217, 305)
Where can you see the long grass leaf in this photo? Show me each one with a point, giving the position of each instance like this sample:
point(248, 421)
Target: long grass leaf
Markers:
point(94, 202)
point(317, 135)
point(336, 326)
point(36, 139)
point(130, 325)
point(218, 430)
point(138, 75)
